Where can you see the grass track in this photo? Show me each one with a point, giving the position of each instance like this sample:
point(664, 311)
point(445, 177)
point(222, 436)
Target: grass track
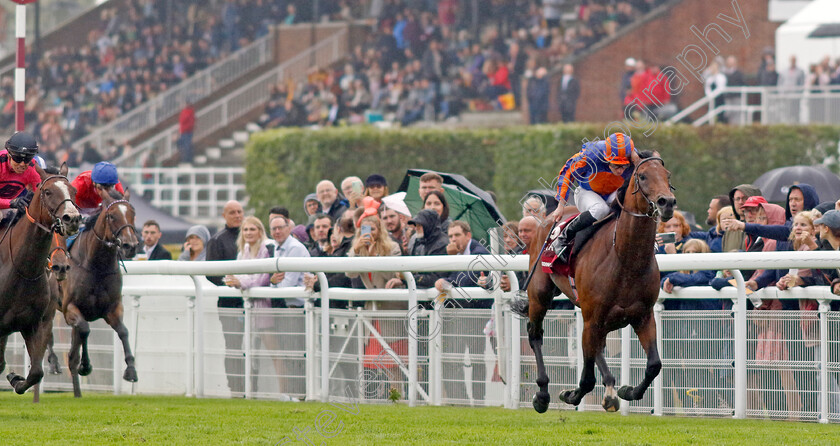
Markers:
point(107, 419)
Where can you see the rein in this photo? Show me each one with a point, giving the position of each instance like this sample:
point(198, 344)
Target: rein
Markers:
point(113, 244)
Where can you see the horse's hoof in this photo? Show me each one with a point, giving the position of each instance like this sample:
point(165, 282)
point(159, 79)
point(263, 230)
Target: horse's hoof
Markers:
point(541, 400)
point(626, 393)
point(55, 367)
point(611, 403)
point(130, 375)
point(566, 397)
point(14, 380)
point(85, 369)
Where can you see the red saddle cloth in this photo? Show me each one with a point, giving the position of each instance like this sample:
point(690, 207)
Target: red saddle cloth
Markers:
point(549, 262)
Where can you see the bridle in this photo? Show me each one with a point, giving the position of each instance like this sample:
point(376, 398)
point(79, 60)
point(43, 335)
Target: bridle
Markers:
point(116, 242)
point(57, 224)
point(652, 209)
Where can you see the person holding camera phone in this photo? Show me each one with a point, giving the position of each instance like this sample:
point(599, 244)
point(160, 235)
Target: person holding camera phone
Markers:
point(372, 240)
point(671, 234)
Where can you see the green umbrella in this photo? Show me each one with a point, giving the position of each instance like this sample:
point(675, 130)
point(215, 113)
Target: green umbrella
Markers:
point(466, 201)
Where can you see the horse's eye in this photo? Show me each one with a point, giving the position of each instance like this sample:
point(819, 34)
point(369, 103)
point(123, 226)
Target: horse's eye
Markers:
point(47, 192)
point(642, 177)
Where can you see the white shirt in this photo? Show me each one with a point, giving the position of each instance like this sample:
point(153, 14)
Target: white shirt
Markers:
point(291, 247)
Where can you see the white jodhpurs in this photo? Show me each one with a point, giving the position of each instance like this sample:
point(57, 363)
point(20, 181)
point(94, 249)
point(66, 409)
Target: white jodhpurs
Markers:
point(586, 200)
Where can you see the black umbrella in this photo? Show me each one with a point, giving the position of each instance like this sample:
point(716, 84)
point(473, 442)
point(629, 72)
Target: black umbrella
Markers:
point(776, 183)
point(467, 201)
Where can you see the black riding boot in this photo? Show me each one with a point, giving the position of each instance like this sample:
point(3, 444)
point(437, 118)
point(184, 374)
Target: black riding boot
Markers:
point(561, 245)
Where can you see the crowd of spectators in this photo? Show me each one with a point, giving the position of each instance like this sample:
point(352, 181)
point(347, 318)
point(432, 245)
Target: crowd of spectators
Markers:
point(429, 61)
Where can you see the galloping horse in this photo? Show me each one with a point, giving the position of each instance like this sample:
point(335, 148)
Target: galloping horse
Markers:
point(617, 282)
point(93, 288)
point(25, 301)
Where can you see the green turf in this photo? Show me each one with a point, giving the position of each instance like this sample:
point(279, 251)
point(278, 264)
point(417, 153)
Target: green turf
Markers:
point(106, 419)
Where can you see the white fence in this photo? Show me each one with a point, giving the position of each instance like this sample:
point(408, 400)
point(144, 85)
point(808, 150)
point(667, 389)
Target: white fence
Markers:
point(241, 101)
point(447, 355)
point(767, 105)
point(169, 103)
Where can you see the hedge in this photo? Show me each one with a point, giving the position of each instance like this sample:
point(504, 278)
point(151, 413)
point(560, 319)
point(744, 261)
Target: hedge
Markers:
point(284, 165)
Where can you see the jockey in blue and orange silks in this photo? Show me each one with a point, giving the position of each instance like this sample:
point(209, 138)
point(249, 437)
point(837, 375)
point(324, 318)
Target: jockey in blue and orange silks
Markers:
point(600, 168)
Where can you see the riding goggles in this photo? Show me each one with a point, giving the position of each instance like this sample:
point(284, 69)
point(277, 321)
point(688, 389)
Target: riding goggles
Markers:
point(21, 158)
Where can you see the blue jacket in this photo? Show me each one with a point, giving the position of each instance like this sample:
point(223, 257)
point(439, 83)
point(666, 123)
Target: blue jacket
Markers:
point(712, 238)
point(782, 232)
point(697, 278)
point(460, 279)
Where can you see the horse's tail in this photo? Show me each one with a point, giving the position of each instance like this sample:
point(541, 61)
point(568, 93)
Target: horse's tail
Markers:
point(519, 305)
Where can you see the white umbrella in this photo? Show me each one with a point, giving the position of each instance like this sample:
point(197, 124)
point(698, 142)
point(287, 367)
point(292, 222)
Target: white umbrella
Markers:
point(396, 202)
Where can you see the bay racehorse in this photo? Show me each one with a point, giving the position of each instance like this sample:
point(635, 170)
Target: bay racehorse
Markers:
point(25, 300)
point(617, 283)
point(93, 288)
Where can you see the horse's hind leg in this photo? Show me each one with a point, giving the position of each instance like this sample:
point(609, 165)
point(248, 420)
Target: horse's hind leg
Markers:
point(610, 403)
point(80, 333)
point(114, 319)
point(592, 346)
point(36, 345)
point(646, 331)
point(52, 358)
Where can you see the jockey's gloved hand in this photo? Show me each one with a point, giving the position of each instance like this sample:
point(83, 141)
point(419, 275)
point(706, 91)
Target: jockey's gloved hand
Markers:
point(19, 203)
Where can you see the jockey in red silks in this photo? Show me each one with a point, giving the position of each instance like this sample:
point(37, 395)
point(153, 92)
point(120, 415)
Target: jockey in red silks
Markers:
point(18, 177)
point(600, 168)
point(92, 185)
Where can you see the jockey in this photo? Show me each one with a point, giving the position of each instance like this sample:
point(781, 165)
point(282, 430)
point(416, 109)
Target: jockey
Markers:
point(93, 185)
point(17, 172)
point(600, 168)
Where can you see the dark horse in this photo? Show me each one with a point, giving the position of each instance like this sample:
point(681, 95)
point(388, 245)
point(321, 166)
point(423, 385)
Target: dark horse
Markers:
point(93, 288)
point(617, 282)
point(25, 300)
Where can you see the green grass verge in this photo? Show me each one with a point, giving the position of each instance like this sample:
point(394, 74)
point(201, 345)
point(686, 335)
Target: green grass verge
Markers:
point(106, 419)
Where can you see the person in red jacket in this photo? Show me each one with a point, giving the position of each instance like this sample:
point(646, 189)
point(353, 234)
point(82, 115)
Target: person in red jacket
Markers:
point(92, 185)
point(186, 124)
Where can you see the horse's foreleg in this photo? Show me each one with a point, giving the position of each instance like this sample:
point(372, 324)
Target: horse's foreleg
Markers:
point(592, 347)
point(114, 319)
point(80, 332)
point(535, 339)
point(646, 331)
point(610, 403)
point(36, 344)
point(3, 341)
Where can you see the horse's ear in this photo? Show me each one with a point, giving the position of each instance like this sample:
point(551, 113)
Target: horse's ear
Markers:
point(63, 169)
point(635, 158)
point(127, 195)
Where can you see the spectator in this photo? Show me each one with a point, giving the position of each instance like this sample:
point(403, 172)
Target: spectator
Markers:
point(311, 205)
point(331, 204)
point(626, 86)
point(371, 240)
point(568, 94)
point(152, 250)
point(768, 77)
point(197, 237)
point(430, 242)
point(222, 246)
point(397, 226)
point(437, 202)
point(538, 92)
point(690, 279)
point(715, 83)
point(792, 77)
point(734, 78)
point(733, 239)
point(353, 190)
point(319, 241)
point(186, 125)
point(679, 226)
point(376, 186)
point(462, 243)
point(801, 197)
point(534, 206)
point(286, 246)
point(528, 226)
point(430, 181)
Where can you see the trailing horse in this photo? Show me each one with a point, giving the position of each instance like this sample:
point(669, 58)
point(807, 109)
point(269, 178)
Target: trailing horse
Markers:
point(25, 300)
point(93, 288)
point(617, 283)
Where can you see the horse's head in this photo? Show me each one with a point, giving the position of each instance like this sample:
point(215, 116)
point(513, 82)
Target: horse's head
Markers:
point(53, 205)
point(116, 223)
point(59, 260)
point(651, 187)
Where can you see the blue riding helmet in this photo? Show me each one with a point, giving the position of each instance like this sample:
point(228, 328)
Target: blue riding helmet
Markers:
point(104, 173)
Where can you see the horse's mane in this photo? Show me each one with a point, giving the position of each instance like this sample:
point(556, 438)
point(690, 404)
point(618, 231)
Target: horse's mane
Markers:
point(115, 194)
point(616, 204)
